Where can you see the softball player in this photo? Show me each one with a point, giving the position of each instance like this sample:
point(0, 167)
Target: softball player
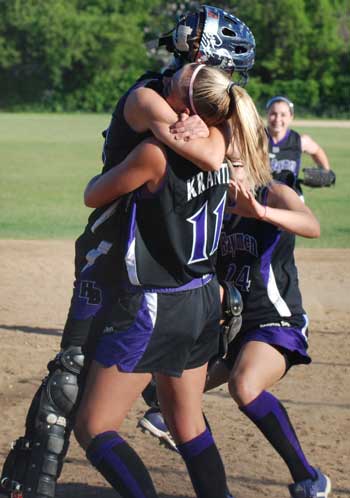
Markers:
point(166, 320)
point(256, 252)
point(50, 416)
point(286, 146)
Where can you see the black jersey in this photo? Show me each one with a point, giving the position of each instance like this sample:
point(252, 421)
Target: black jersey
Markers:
point(103, 236)
point(120, 140)
point(259, 258)
point(174, 233)
point(285, 158)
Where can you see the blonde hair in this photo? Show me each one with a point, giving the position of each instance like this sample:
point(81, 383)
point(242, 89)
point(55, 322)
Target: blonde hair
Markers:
point(216, 99)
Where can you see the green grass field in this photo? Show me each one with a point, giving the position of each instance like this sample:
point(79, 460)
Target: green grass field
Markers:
point(331, 205)
point(47, 159)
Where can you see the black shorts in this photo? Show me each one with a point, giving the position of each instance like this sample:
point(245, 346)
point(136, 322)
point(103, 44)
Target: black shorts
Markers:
point(165, 333)
point(290, 340)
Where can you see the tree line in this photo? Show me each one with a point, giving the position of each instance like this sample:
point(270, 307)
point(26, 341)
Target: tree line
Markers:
point(81, 55)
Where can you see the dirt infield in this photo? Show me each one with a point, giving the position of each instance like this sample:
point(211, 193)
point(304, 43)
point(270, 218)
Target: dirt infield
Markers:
point(35, 289)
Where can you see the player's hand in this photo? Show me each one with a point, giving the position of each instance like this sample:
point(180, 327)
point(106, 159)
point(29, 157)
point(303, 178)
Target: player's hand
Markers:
point(189, 127)
point(243, 202)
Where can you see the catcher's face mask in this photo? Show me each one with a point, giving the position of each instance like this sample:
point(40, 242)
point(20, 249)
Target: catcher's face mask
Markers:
point(215, 37)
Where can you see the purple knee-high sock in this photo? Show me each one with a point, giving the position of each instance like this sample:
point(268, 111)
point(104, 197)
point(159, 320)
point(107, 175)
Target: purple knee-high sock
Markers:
point(269, 415)
point(120, 466)
point(204, 466)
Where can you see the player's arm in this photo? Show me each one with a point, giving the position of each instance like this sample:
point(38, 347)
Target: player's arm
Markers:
point(284, 209)
point(309, 146)
point(146, 164)
point(145, 109)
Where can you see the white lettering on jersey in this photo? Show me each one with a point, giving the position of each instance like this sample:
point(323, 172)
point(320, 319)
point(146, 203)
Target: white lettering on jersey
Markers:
point(191, 192)
point(205, 180)
point(200, 185)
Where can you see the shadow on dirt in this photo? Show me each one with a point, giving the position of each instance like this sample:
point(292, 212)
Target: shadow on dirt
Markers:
point(79, 490)
point(32, 330)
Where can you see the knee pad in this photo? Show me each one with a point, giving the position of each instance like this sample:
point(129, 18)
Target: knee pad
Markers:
point(61, 385)
point(35, 460)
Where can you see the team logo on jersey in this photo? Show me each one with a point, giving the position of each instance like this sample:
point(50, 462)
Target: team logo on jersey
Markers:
point(234, 242)
point(284, 164)
point(206, 180)
point(90, 292)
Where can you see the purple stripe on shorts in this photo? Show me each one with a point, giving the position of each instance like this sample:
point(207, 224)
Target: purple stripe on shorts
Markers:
point(266, 259)
point(196, 446)
point(290, 338)
point(196, 283)
point(125, 348)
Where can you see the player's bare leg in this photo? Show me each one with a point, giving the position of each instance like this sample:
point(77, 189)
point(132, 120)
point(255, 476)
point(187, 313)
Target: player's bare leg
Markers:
point(258, 367)
point(107, 399)
point(180, 401)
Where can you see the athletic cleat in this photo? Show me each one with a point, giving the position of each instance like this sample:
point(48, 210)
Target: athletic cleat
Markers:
point(153, 422)
point(320, 488)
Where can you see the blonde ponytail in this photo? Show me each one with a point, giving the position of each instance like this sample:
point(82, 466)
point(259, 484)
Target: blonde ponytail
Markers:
point(250, 136)
point(216, 98)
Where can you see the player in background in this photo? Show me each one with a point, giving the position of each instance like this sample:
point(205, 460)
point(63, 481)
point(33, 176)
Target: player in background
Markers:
point(33, 465)
point(166, 319)
point(286, 145)
point(256, 252)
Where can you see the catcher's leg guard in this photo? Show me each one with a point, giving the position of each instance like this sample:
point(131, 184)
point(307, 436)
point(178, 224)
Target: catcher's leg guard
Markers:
point(35, 460)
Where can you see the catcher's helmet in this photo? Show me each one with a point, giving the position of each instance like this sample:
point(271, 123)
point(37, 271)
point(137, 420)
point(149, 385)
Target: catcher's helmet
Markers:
point(212, 36)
